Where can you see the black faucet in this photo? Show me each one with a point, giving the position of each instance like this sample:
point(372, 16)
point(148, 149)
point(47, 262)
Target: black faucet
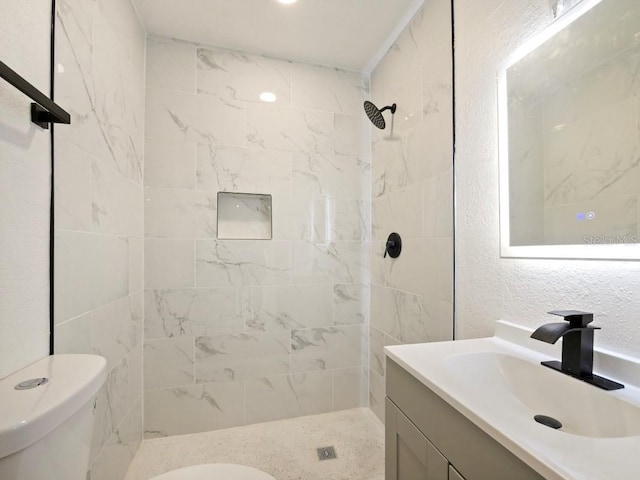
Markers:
point(577, 347)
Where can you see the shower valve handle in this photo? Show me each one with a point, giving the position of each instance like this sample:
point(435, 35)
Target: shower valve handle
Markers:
point(393, 247)
point(389, 245)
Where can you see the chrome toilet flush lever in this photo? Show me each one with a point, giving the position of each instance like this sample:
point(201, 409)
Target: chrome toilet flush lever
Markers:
point(577, 347)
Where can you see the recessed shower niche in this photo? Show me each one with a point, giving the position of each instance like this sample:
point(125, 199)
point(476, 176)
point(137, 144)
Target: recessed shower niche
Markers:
point(244, 216)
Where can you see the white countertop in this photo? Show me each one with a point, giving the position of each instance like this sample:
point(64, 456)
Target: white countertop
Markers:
point(554, 454)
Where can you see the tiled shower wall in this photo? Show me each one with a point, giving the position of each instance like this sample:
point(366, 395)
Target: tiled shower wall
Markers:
point(245, 331)
point(100, 48)
point(412, 189)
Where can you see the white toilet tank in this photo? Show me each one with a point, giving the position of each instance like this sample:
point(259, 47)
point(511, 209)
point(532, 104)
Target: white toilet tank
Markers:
point(46, 428)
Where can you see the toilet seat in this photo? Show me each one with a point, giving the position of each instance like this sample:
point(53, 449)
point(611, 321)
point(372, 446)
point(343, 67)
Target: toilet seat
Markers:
point(215, 471)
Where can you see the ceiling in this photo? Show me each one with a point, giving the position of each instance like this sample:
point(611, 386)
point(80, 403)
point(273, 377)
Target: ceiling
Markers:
point(350, 34)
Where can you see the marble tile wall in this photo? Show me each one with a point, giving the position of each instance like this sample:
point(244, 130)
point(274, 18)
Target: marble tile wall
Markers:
point(245, 331)
point(591, 153)
point(412, 191)
point(99, 297)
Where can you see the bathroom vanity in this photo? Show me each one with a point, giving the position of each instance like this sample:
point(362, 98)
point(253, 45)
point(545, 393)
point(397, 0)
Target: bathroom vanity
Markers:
point(466, 410)
point(426, 438)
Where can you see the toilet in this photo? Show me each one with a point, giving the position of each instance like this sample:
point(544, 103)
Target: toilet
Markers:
point(46, 423)
point(215, 471)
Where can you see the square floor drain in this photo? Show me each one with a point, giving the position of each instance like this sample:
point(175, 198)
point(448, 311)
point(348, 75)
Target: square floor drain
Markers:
point(326, 453)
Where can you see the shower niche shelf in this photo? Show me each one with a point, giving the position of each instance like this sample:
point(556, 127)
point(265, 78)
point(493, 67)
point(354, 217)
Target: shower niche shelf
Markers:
point(244, 216)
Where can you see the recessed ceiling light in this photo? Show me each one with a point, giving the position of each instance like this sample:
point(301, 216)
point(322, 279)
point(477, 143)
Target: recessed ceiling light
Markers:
point(268, 97)
point(287, 2)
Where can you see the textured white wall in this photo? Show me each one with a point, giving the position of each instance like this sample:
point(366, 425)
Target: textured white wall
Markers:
point(489, 288)
point(24, 190)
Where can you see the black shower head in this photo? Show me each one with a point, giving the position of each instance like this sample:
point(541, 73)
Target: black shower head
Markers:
point(375, 114)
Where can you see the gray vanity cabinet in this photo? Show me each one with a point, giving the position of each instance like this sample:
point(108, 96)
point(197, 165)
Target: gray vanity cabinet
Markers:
point(427, 439)
point(409, 455)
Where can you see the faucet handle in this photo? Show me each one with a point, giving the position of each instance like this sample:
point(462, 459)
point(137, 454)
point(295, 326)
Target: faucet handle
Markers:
point(576, 318)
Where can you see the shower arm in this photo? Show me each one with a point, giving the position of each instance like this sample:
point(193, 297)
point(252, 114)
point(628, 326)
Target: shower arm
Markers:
point(389, 107)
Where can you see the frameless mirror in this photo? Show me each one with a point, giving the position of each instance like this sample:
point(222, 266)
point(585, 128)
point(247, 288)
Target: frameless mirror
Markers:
point(569, 137)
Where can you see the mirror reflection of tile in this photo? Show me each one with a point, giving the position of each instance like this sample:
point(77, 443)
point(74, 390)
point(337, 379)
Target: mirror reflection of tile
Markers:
point(574, 156)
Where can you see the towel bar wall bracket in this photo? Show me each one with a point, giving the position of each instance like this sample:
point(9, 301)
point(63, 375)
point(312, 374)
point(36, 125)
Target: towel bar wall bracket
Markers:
point(44, 111)
point(43, 117)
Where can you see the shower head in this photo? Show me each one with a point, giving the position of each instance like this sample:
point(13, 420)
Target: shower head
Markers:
point(375, 114)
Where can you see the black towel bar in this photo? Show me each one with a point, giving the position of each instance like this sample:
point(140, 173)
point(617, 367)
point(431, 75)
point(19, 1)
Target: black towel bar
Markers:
point(44, 111)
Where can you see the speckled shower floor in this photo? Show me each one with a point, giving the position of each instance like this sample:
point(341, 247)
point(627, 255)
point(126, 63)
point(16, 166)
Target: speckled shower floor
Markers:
point(285, 449)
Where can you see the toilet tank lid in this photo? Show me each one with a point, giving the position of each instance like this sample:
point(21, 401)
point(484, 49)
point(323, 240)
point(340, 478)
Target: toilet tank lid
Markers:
point(28, 415)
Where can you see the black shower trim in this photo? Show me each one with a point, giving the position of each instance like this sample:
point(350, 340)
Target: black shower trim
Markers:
point(453, 161)
point(52, 206)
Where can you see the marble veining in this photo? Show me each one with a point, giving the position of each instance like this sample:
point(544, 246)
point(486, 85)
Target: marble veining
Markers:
point(250, 262)
point(99, 79)
point(398, 211)
point(328, 88)
point(411, 191)
point(197, 118)
point(377, 341)
point(341, 262)
point(196, 312)
point(335, 175)
point(177, 213)
point(236, 169)
point(168, 362)
point(351, 303)
point(287, 307)
point(286, 396)
point(121, 147)
point(112, 196)
point(397, 313)
point(117, 328)
point(391, 171)
point(120, 449)
point(117, 391)
point(241, 76)
point(327, 348)
point(294, 130)
point(235, 302)
point(351, 221)
point(193, 408)
point(238, 357)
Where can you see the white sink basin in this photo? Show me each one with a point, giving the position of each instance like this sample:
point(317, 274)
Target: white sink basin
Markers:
point(532, 389)
point(499, 385)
